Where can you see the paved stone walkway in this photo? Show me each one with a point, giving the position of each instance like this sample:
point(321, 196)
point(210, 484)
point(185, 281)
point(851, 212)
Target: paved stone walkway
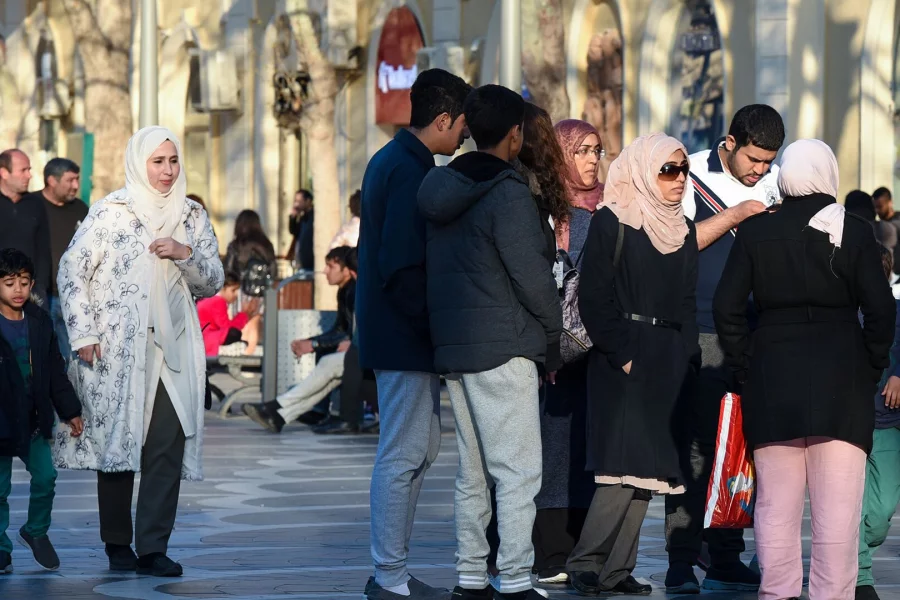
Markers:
point(282, 517)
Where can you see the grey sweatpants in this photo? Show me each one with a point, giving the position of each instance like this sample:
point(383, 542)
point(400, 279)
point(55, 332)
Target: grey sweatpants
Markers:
point(498, 432)
point(410, 416)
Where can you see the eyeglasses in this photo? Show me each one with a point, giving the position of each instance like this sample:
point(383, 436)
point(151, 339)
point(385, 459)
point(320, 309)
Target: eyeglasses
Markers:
point(670, 171)
point(585, 150)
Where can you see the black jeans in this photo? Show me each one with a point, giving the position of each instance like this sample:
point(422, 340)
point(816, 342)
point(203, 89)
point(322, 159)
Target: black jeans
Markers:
point(696, 427)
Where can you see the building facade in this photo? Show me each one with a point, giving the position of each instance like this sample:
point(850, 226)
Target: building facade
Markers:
point(632, 67)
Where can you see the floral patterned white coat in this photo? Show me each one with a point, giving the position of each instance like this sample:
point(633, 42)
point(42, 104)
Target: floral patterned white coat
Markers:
point(104, 291)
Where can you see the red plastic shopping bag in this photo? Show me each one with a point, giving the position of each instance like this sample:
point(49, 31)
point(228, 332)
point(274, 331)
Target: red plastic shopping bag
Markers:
point(732, 486)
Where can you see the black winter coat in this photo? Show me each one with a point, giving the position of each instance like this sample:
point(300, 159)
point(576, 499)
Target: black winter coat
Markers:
point(630, 417)
point(491, 292)
point(343, 325)
point(810, 370)
point(51, 390)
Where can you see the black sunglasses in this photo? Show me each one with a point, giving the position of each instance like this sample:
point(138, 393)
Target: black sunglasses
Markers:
point(670, 171)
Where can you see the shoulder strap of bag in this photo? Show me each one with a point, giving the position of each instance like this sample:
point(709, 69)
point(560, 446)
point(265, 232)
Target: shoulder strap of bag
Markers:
point(620, 239)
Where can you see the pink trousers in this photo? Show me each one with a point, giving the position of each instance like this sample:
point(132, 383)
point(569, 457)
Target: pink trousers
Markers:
point(836, 474)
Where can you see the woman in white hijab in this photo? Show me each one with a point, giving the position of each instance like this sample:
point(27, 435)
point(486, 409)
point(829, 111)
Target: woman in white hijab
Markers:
point(809, 371)
point(127, 284)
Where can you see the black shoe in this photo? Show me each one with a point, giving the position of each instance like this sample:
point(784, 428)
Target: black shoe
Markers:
point(464, 594)
point(263, 416)
point(680, 579)
point(417, 589)
point(5, 563)
point(585, 583)
point(327, 422)
point(630, 587)
point(158, 565)
point(312, 417)
point(735, 577)
point(44, 554)
point(371, 428)
point(866, 592)
point(531, 594)
point(121, 558)
point(337, 428)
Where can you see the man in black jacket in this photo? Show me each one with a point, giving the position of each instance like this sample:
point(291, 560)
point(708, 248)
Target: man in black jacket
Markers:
point(23, 218)
point(495, 316)
point(340, 270)
point(33, 386)
point(392, 321)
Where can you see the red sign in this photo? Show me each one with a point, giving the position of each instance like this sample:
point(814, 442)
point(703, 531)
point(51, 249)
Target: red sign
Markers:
point(395, 72)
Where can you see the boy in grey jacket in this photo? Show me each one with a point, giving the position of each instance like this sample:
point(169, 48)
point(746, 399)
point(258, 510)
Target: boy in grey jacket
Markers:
point(495, 316)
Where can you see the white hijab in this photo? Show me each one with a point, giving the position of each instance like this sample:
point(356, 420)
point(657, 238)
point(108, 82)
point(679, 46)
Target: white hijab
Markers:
point(810, 167)
point(164, 214)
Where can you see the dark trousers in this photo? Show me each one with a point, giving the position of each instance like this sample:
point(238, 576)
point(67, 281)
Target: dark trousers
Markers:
point(556, 533)
point(696, 430)
point(351, 388)
point(157, 502)
point(608, 543)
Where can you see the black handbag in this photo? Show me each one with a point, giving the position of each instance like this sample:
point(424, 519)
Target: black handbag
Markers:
point(575, 343)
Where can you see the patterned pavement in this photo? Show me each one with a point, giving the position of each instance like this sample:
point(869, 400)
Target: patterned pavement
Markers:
point(282, 517)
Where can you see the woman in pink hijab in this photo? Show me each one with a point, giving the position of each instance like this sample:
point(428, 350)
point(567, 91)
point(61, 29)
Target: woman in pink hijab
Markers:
point(637, 301)
point(582, 151)
point(809, 371)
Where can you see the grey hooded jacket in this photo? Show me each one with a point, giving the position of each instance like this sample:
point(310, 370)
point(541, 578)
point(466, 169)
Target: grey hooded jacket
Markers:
point(491, 291)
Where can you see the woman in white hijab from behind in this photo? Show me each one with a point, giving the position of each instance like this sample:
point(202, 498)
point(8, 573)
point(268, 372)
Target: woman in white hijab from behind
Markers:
point(127, 283)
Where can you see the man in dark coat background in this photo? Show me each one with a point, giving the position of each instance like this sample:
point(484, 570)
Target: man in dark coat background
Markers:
point(392, 321)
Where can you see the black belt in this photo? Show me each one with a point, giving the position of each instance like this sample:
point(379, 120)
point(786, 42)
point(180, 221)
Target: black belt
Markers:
point(653, 321)
point(808, 314)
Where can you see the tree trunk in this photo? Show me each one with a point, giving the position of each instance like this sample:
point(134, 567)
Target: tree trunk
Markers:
point(544, 56)
point(102, 31)
point(317, 123)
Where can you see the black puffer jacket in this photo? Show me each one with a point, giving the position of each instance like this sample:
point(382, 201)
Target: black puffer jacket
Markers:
point(491, 292)
point(51, 390)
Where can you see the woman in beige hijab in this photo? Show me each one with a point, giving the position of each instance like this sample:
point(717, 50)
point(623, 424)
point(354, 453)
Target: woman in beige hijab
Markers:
point(809, 372)
point(127, 284)
point(638, 284)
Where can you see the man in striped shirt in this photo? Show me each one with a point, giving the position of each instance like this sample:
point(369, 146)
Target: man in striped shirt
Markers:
point(732, 182)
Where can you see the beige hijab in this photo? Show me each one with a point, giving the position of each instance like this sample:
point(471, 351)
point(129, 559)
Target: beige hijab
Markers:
point(809, 167)
point(632, 192)
point(164, 214)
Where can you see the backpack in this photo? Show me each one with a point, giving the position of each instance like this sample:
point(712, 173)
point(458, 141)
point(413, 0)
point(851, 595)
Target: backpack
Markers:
point(256, 278)
point(575, 343)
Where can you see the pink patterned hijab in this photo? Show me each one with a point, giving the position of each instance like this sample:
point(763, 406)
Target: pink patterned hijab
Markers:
point(571, 133)
point(633, 194)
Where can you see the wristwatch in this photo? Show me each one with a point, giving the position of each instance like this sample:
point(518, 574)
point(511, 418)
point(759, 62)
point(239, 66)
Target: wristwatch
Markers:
point(314, 344)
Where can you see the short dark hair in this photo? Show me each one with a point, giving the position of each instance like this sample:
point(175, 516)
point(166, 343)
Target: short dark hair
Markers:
point(344, 256)
point(757, 124)
point(15, 262)
point(434, 93)
point(354, 203)
point(887, 261)
point(306, 194)
point(491, 111)
point(6, 158)
point(882, 191)
point(57, 167)
point(232, 278)
point(860, 204)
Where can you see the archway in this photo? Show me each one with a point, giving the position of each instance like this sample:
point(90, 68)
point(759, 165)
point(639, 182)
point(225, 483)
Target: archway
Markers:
point(596, 80)
point(682, 76)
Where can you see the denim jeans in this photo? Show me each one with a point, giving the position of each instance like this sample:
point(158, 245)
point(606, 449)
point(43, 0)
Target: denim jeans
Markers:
point(43, 489)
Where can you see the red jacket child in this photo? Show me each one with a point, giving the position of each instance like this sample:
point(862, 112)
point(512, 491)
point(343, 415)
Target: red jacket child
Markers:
point(214, 321)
